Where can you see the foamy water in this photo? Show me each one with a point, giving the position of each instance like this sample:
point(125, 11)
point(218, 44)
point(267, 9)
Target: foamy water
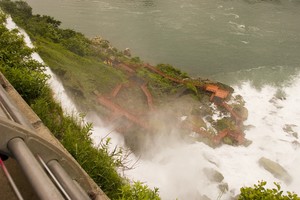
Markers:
point(177, 169)
point(55, 84)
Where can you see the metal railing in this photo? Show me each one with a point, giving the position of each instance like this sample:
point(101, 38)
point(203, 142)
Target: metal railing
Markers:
point(52, 173)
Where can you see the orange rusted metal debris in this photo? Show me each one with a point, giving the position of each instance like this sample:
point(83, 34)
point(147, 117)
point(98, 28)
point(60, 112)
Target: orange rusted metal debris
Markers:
point(217, 92)
point(116, 90)
point(126, 68)
point(211, 88)
point(233, 114)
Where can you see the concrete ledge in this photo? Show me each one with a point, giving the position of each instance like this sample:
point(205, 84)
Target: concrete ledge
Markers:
point(41, 141)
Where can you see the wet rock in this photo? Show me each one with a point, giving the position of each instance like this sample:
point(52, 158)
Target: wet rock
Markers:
point(213, 175)
point(99, 41)
point(247, 143)
point(296, 144)
point(241, 111)
point(280, 94)
point(248, 127)
point(275, 169)
point(239, 99)
point(288, 128)
point(228, 140)
point(212, 159)
point(127, 52)
point(223, 187)
point(244, 113)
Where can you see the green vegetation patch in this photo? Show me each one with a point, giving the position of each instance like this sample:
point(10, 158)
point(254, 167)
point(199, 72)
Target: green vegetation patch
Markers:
point(93, 75)
point(260, 192)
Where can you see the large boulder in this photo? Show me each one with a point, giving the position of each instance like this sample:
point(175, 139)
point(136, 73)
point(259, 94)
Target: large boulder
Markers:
point(213, 175)
point(275, 169)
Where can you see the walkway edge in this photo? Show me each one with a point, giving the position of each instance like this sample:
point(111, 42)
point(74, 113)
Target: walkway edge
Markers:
point(41, 131)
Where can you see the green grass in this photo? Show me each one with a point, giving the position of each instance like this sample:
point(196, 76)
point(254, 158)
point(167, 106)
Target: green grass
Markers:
point(91, 73)
point(75, 138)
point(81, 76)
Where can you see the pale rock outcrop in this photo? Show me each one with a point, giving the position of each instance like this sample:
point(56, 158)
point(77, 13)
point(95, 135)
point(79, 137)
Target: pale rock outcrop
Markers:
point(213, 175)
point(275, 169)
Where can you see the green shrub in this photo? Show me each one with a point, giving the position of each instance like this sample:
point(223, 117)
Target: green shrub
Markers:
point(25, 73)
point(138, 191)
point(172, 71)
point(259, 192)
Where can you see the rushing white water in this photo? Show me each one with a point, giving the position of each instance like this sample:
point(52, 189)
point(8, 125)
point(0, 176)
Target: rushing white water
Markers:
point(60, 93)
point(177, 168)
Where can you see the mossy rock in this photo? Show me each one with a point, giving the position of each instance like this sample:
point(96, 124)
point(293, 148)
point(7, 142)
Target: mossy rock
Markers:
point(228, 140)
point(224, 123)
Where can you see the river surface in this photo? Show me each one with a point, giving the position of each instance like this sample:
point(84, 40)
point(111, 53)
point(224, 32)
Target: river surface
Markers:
point(202, 37)
point(255, 47)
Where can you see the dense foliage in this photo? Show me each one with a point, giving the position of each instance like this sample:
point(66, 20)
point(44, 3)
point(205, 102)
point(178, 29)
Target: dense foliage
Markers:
point(25, 73)
point(260, 192)
point(29, 79)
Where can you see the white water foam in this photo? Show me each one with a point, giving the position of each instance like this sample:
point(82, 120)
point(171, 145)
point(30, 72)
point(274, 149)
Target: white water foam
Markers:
point(55, 84)
point(177, 170)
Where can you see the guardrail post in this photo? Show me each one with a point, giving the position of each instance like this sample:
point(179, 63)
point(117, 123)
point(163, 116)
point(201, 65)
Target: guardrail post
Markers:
point(39, 180)
point(66, 181)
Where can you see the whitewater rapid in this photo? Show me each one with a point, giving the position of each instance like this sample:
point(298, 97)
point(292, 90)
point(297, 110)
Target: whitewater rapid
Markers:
point(177, 168)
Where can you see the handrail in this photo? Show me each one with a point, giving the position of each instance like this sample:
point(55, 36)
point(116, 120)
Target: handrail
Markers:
point(66, 182)
point(24, 143)
point(56, 182)
point(41, 183)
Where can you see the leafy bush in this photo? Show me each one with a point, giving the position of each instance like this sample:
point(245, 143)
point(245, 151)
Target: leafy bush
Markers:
point(172, 71)
point(259, 192)
point(138, 192)
point(16, 63)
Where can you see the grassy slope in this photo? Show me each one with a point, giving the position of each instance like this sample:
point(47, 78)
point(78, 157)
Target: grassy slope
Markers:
point(80, 75)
